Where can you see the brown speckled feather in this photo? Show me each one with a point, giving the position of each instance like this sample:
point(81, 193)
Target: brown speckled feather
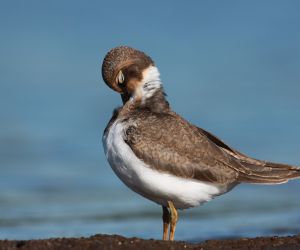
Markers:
point(261, 171)
point(168, 143)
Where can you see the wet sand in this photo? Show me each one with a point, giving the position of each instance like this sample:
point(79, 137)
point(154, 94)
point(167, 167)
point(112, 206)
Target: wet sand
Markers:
point(119, 242)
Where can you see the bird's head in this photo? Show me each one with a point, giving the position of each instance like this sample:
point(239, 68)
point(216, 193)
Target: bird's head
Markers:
point(130, 72)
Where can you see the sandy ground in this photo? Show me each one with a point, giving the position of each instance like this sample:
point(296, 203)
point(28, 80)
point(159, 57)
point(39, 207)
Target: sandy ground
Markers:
point(119, 242)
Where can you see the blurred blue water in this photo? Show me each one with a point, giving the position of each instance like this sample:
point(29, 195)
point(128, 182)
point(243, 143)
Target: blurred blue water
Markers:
point(231, 68)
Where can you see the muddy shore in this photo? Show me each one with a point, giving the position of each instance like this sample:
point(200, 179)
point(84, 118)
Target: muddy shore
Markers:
point(119, 242)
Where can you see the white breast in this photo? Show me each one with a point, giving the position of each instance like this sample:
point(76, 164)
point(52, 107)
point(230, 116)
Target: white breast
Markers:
point(157, 186)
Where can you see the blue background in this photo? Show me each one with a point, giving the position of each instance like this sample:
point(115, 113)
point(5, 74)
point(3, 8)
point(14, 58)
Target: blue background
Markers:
point(231, 67)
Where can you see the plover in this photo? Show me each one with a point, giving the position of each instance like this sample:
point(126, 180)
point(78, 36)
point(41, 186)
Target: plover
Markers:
point(163, 157)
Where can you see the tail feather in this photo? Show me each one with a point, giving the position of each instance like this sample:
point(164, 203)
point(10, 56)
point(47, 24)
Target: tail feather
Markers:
point(268, 173)
point(256, 171)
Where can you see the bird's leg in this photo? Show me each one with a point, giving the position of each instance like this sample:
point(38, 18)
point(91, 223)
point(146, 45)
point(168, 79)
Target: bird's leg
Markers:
point(174, 218)
point(166, 222)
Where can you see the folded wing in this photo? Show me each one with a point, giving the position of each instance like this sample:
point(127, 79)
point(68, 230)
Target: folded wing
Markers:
point(168, 143)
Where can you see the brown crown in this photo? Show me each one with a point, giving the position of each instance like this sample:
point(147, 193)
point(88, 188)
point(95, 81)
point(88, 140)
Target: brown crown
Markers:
point(119, 58)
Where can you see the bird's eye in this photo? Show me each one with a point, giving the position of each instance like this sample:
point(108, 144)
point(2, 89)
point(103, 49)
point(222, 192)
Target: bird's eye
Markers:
point(120, 77)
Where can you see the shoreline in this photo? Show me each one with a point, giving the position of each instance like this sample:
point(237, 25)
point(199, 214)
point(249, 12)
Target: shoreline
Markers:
point(102, 241)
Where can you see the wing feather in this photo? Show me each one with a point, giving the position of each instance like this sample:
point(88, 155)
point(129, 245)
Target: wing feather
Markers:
point(168, 143)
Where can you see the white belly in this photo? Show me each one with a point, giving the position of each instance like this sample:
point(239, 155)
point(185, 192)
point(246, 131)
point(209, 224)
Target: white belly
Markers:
point(157, 186)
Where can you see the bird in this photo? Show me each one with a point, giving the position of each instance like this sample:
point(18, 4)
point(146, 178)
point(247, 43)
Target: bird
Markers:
point(163, 157)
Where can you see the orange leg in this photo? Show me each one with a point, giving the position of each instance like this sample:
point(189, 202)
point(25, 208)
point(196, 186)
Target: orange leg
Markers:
point(174, 218)
point(166, 222)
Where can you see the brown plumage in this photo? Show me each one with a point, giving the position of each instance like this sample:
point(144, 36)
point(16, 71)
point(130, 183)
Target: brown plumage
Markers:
point(120, 58)
point(167, 143)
